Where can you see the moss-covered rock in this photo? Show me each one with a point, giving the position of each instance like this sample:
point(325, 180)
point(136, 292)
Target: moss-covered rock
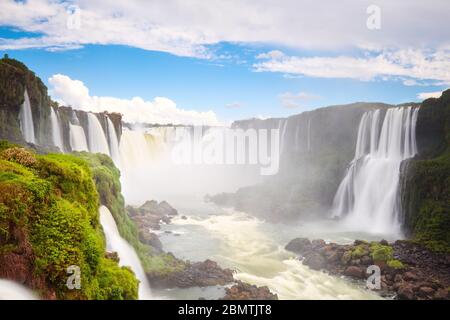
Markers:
point(49, 221)
point(425, 179)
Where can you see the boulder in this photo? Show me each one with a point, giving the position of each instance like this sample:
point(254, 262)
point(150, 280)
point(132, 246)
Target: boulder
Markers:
point(354, 272)
point(299, 246)
point(315, 261)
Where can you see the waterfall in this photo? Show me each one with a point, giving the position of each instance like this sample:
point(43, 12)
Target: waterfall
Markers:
point(127, 254)
point(26, 120)
point(309, 135)
point(367, 197)
point(10, 290)
point(113, 142)
point(77, 138)
point(97, 140)
point(56, 129)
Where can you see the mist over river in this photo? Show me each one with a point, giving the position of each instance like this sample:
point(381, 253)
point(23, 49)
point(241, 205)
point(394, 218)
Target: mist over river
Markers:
point(255, 250)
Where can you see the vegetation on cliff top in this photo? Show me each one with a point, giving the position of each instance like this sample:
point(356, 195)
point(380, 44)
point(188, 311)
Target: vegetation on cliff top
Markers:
point(426, 182)
point(50, 204)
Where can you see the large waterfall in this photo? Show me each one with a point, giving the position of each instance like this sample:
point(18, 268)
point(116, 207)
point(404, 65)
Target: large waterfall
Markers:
point(113, 142)
point(367, 198)
point(127, 255)
point(78, 140)
point(96, 136)
point(26, 120)
point(56, 129)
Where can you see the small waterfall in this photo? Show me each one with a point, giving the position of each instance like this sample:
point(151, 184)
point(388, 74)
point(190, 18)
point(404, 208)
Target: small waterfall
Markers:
point(97, 139)
point(26, 120)
point(283, 127)
point(77, 138)
point(113, 142)
point(127, 255)
point(56, 129)
point(368, 195)
point(10, 290)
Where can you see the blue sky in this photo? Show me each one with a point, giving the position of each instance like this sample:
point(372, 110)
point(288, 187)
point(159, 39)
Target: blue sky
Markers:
point(233, 79)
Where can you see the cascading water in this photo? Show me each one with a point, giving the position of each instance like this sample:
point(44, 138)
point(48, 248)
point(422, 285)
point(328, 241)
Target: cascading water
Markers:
point(10, 290)
point(26, 120)
point(113, 142)
point(367, 197)
point(56, 130)
point(127, 255)
point(78, 140)
point(96, 136)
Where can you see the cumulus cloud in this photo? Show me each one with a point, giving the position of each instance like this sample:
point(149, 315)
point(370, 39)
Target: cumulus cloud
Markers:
point(415, 64)
point(426, 95)
point(297, 100)
point(160, 110)
point(187, 27)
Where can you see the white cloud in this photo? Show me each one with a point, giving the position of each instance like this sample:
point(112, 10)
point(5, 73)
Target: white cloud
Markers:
point(297, 100)
point(187, 27)
point(414, 64)
point(161, 110)
point(426, 95)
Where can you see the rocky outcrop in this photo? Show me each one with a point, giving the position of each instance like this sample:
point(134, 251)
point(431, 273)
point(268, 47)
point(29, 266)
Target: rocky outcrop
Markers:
point(245, 291)
point(197, 274)
point(408, 270)
point(148, 217)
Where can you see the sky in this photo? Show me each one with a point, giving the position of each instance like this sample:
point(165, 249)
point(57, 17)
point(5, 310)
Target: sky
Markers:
point(212, 62)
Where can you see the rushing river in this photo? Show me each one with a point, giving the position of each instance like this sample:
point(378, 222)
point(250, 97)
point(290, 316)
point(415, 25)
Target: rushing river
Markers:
point(255, 250)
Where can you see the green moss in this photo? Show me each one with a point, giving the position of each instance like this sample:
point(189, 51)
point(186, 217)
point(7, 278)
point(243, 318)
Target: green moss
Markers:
point(359, 251)
point(54, 205)
point(381, 252)
point(396, 264)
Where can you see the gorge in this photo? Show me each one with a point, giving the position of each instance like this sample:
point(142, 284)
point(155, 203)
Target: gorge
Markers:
point(366, 171)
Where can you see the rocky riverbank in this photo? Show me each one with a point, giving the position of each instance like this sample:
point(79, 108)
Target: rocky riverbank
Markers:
point(408, 270)
point(148, 219)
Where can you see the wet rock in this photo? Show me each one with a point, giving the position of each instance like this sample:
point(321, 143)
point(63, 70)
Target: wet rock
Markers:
point(405, 291)
point(315, 261)
point(426, 292)
point(198, 274)
point(354, 272)
point(410, 276)
point(244, 291)
point(317, 244)
point(299, 245)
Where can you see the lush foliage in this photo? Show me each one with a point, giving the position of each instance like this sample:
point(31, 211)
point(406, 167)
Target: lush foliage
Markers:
point(52, 200)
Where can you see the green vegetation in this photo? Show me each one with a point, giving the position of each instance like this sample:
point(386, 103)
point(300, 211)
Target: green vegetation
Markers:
point(395, 264)
point(426, 182)
point(107, 181)
point(381, 252)
point(49, 208)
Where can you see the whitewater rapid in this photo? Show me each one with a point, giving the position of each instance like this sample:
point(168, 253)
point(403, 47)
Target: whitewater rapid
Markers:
point(255, 249)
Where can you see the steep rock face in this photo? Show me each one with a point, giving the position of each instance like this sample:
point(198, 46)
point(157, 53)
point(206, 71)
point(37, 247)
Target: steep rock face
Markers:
point(425, 179)
point(15, 77)
point(315, 150)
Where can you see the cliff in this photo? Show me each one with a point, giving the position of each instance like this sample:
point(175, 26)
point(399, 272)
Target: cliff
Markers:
point(49, 221)
point(15, 78)
point(316, 148)
point(425, 179)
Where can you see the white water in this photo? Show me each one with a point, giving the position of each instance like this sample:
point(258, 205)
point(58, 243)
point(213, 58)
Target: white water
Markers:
point(367, 197)
point(256, 250)
point(77, 138)
point(56, 130)
point(10, 290)
point(97, 139)
point(113, 142)
point(26, 120)
point(127, 255)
